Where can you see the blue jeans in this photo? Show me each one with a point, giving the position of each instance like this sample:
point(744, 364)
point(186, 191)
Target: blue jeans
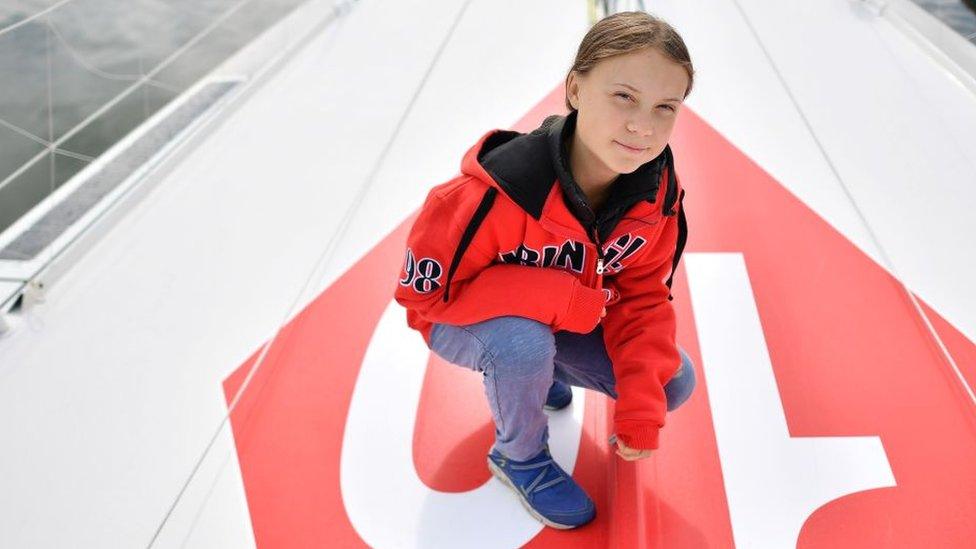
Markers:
point(519, 358)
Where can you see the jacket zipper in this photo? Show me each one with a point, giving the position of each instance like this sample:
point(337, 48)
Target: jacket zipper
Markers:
point(595, 234)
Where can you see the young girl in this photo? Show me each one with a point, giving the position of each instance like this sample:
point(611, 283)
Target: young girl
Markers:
point(548, 261)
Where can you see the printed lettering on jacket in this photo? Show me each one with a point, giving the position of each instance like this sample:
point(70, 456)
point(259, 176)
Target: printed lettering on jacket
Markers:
point(623, 247)
point(571, 254)
point(424, 275)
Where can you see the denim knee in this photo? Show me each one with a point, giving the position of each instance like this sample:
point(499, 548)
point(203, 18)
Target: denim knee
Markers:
point(522, 346)
point(680, 387)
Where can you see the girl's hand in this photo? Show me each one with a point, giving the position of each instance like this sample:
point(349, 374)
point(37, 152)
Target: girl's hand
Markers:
point(628, 453)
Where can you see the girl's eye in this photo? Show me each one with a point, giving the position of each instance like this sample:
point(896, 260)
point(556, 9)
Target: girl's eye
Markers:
point(628, 97)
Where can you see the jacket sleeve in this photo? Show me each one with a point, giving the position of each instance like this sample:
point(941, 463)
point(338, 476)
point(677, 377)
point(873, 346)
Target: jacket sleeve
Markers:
point(639, 332)
point(479, 289)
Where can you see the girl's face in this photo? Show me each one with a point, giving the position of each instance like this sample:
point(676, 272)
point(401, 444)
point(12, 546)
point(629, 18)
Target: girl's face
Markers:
point(627, 107)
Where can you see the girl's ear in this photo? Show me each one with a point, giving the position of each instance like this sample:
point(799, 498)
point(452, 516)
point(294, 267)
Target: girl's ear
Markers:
point(572, 89)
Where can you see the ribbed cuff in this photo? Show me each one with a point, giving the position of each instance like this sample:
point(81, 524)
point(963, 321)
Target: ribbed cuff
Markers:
point(585, 306)
point(640, 436)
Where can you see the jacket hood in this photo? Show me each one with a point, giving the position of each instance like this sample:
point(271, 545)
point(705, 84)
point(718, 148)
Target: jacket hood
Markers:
point(527, 166)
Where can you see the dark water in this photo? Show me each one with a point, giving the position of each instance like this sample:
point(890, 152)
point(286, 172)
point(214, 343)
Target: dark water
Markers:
point(956, 13)
point(58, 70)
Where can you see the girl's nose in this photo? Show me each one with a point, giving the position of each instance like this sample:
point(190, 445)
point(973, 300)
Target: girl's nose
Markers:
point(644, 129)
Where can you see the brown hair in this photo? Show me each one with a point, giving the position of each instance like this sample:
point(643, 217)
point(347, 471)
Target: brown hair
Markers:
point(625, 32)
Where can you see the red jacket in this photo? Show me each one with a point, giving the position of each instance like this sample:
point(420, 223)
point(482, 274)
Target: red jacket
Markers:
point(513, 235)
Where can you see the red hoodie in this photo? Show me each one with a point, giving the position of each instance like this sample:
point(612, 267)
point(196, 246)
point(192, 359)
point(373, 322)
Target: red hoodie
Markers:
point(538, 251)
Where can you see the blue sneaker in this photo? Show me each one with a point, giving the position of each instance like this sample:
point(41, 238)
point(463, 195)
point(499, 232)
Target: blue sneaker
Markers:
point(560, 395)
point(545, 490)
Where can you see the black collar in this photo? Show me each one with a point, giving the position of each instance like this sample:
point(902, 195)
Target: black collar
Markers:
point(627, 190)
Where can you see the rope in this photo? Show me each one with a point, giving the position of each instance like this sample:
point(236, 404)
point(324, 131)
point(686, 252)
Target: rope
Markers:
point(98, 72)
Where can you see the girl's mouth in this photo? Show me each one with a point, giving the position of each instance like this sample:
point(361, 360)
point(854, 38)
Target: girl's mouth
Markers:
point(631, 150)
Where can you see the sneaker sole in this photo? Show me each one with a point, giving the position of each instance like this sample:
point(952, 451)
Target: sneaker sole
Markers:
point(500, 475)
point(554, 408)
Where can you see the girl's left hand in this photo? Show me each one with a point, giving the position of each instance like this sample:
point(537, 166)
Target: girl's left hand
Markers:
point(631, 454)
